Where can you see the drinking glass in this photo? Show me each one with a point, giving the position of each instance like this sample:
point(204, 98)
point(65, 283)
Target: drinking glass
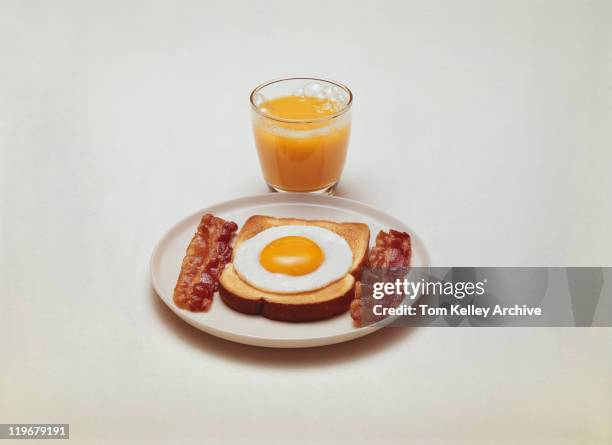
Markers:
point(298, 151)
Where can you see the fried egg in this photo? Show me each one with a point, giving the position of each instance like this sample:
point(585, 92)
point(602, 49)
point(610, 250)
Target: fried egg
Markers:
point(293, 258)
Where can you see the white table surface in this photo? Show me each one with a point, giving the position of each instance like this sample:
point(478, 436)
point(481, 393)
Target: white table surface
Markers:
point(484, 125)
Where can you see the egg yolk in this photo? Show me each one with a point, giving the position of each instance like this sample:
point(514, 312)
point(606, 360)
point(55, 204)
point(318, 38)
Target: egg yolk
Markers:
point(291, 255)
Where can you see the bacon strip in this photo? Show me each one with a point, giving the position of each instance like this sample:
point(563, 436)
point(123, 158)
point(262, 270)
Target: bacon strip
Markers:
point(392, 251)
point(207, 254)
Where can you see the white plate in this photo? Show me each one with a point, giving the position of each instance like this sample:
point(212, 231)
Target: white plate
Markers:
point(222, 321)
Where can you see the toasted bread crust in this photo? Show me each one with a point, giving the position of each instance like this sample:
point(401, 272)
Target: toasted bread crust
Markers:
point(323, 303)
point(300, 312)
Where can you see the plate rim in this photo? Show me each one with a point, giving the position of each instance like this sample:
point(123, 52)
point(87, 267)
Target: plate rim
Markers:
point(254, 340)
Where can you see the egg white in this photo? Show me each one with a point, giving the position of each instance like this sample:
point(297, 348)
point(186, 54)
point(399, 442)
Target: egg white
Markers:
point(336, 264)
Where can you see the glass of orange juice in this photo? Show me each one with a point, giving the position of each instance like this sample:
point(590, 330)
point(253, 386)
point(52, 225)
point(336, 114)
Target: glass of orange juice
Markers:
point(302, 127)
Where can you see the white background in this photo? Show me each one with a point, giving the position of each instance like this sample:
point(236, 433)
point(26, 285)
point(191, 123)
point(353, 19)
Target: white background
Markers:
point(485, 126)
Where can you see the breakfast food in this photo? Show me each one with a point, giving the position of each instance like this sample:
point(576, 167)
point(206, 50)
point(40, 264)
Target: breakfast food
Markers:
point(291, 259)
point(393, 250)
point(206, 256)
point(293, 269)
point(391, 255)
point(287, 269)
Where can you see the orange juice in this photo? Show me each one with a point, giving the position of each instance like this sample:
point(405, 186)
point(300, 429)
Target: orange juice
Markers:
point(302, 142)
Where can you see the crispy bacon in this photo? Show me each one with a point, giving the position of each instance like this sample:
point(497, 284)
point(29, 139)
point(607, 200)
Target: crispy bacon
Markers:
point(207, 254)
point(355, 307)
point(392, 251)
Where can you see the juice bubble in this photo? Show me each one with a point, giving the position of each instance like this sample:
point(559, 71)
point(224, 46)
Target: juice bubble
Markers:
point(339, 95)
point(313, 89)
point(332, 92)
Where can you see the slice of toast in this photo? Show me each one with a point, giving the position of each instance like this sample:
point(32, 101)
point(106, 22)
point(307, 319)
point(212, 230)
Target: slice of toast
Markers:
point(322, 303)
